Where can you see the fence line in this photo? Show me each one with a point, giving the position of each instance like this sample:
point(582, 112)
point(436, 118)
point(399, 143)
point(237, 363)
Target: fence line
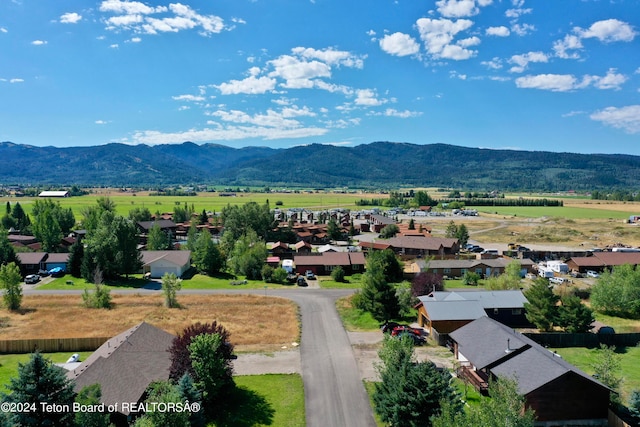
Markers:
point(51, 345)
point(560, 340)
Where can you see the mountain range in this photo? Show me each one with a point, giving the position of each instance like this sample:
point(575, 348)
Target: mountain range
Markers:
point(374, 165)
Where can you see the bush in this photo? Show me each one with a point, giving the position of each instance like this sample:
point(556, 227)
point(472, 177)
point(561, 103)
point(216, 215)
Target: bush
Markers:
point(100, 298)
point(267, 273)
point(338, 274)
point(279, 275)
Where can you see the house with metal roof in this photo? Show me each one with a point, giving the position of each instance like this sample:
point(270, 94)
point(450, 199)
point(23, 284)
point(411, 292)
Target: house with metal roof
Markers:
point(441, 313)
point(558, 392)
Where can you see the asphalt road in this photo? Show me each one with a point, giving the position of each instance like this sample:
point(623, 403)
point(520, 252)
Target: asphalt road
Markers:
point(334, 392)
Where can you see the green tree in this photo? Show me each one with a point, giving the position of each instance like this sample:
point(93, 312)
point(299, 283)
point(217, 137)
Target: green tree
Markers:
point(462, 235)
point(76, 254)
point(140, 214)
point(7, 252)
point(238, 220)
point(510, 279)
point(40, 382)
point(503, 407)
point(389, 231)
point(192, 236)
point(409, 392)
point(164, 392)
point(206, 254)
point(634, 404)
point(470, 278)
point(157, 240)
point(388, 262)
point(23, 222)
point(170, 287)
point(422, 198)
point(412, 224)
point(211, 370)
point(334, 231)
point(618, 293)
point(279, 275)
point(46, 228)
point(190, 393)
point(10, 279)
point(406, 300)
point(90, 396)
point(541, 309)
point(248, 256)
point(607, 369)
point(574, 316)
point(451, 230)
point(338, 274)
point(377, 296)
point(100, 297)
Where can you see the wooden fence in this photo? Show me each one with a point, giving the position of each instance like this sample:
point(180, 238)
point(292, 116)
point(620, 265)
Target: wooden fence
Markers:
point(51, 345)
point(561, 340)
point(616, 421)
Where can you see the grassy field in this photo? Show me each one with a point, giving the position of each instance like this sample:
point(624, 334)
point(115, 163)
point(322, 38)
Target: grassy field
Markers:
point(570, 212)
point(584, 359)
point(9, 364)
point(208, 201)
point(256, 323)
point(356, 320)
point(275, 398)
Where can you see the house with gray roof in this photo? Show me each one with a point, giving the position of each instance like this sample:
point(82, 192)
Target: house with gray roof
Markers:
point(125, 365)
point(558, 392)
point(157, 263)
point(441, 313)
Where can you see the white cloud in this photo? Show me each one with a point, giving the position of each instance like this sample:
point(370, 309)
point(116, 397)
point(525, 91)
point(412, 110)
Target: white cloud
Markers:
point(250, 85)
point(406, 114)
point(611, 80)
point(552, 82)
point(238, 20)
point(101, 122)
point(522, 61)
point(191, 98)
point(3, 30)
point(517, 12)
point(114, 46)
point(136, 16)
point(609, 30)
point(569, 43)
point(399, 44)
point(330, 56)
point(298, 73)
point(625, 118)
point(568, 82)
point(494, 64)
point(70, 18)
point(471, 41)
point(457, 8)
point(522, 29)
point(500, 31)
point(16, 80)
point(438, 34)
point(39, 42)
point(368, 97)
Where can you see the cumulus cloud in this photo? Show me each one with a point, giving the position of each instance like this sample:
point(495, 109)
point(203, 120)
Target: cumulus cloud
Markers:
point(522, 61)
point(3, 30)
point(500, 31)
point(137, 17)
point(607, 31)
point(39, 42)
point(522, 29)
point(368, 97)
point(625, 118)
point(438, 36)
point(566, 48)
point(101, 122)
point(16, 80)
point(330, 56)
point(568, 82)
point(460, 8)
point(250, 85)
point(70, 18)
point(399, 44)
point(494, 64)
point(406, 114)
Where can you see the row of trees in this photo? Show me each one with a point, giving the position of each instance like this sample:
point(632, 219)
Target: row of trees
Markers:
point(543, 311)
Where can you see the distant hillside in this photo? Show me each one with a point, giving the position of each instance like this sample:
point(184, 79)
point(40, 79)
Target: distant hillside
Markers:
point(379, 164)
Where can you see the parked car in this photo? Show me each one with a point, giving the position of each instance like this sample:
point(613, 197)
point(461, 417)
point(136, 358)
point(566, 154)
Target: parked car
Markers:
point(591, 273)
point(43, 273)
point(557, 280)
point(32, 278)
point(309, 275)
point(57, 272)
point(301, 281)
point(407, 331)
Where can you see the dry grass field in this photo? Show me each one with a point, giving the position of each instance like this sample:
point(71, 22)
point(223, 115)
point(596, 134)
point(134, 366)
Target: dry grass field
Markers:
point(254, 322)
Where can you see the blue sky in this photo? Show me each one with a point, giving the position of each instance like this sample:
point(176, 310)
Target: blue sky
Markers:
point(519, 74)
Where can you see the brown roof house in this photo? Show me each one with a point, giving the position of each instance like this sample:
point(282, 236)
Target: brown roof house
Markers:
point(423, 246)
point(125, 365)
point(558, 392)
point(157, 263)
point(601, 261)
point(324, 263)
point(443, 312)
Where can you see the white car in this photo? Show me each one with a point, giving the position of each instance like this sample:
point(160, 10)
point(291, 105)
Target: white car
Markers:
point(32, 278)
point(592, 273)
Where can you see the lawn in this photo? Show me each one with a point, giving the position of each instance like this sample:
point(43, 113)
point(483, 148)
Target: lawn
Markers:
point(356, 320)
point(619, 324)
point(9, 364)
point(584, 358)
point(350, 282)
point(370, 387)
point(278, 398)
point(197, 281)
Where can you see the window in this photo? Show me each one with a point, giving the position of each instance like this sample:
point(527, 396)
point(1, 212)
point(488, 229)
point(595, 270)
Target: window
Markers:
point(479, 270)
point(447, 271)
point(355, 267)
point(516, 311)
point(462, 271)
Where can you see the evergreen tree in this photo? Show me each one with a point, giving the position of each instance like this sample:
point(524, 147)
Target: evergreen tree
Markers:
point(190, 393)
point(541, 309)
point(388, 262)
point(333, 230)
point(164, 392)
point(607, 368)
point(10, 279)
point(192, 236)
point(634, 404)
point(76, 254)
point(90, 396)
point(462, 235)
point(40, 382)
point(206, 255)
point(574, 316)
point(377, 296)
point(451, 231)
point(7, 252)
point(412, 224)
point(410, 393)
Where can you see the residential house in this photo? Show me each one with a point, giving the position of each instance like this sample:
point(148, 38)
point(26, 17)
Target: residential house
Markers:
point(441, 313)
point(558, 392)
point(31, 262)
point(281, 250)
point(325, 263)
point(378, 222)
point(54, 260)
point(166, 225)
point(601, 261)
point(423, 246)
point(157, 263)
point(303, 247)
point(485, 267)
point(125, 365)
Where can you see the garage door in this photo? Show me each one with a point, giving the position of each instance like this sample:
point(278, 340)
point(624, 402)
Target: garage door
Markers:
point(160, 271)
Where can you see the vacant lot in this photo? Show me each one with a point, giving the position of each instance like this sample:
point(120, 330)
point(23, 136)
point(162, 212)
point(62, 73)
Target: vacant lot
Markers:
point(255, 322)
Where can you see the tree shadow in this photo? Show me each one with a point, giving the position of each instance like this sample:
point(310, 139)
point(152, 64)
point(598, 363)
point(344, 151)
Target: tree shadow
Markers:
point(246, 408)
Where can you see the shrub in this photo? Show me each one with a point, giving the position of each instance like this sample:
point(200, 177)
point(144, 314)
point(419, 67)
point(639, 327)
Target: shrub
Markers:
point(338, 274)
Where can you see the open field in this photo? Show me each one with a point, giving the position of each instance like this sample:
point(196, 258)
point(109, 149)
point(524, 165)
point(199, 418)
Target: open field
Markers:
point(254, 322)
